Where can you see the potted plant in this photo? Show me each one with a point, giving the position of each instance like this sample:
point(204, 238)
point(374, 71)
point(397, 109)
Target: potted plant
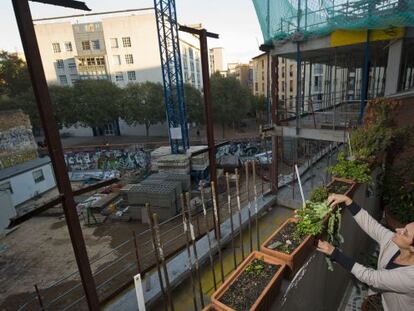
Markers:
point(252, 285)
point(293, 241)
point(355, 170)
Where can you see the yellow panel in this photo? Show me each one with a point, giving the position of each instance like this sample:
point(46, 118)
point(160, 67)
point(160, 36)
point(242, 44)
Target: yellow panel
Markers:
point(349, 37)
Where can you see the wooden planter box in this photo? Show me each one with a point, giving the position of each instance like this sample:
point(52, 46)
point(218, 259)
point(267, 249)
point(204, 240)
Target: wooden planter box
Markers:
point(352, 185)
point(295, 259)
point(265, 300)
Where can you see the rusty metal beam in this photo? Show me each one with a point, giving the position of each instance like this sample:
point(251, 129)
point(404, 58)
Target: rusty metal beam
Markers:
point(44, 105)
point(66, 3)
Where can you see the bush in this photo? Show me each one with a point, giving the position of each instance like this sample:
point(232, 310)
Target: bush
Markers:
point(356, 170)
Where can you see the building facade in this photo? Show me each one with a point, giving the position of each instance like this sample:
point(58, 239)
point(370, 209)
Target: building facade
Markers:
point(242, 72)
point(216, 60)
point(122, 49)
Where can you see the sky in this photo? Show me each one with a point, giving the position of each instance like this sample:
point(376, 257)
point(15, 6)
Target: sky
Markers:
point(234, 20)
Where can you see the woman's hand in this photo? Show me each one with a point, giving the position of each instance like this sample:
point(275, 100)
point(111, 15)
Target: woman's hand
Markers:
point(325, 247)
point(335, 199)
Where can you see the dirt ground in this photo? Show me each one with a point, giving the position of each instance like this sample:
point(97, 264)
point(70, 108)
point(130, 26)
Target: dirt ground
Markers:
point(39, 252)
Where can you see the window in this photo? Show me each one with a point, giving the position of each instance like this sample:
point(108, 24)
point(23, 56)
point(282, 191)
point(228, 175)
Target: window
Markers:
point(283, 74)
point(291, 85)
point(256, 86)
point(38, 176)
point(114, 43)
point(131, 76)
point(56, 47)
point(86, 45)
point(129, 59)
point(72, 67)
point(60, 64)
point(126, 41)
point(73, 78)
point(96, 45)
point(291, 70)
point(63, 80)
point(119, 76)
point(116, 59)
point(68, 46)
point(100, 61)
point(90, 61)
point(262, 63)
point(6, 187)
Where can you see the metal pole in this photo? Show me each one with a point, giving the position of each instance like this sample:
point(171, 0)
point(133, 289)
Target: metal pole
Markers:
point(136, 253)
point(365, 79)
point(274, 174)
point(209, 117)
point(157, 258)
point(248, 205)
point(210, 253)
point(44, 105)
point(215, 210)
point(193, 239)
point(187, 246)
point(39, 298)
point(256, 205)
point(163, 264)
point(239, 210)
point(231, 219)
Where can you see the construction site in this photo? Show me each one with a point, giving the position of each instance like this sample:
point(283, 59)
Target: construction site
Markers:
point(196, 222)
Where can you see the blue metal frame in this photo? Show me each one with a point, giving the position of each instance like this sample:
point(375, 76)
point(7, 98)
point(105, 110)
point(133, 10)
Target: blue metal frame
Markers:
point(172, 75)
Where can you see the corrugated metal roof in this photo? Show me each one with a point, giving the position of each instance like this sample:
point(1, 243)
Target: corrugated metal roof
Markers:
point(23, 167)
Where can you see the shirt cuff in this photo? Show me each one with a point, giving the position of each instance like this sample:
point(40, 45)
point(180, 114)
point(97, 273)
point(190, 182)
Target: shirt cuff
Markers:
point(354, 208)
point(345, 261)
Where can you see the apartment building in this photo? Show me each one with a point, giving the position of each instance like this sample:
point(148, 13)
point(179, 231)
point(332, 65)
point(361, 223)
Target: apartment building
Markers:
point(216, 61)
point(243, 73)
point(120, 48)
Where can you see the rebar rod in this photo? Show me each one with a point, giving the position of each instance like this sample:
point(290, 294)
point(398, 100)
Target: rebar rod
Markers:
point(231, 219)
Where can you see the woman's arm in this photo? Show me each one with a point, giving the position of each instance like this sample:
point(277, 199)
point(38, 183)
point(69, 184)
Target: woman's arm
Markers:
point(367, 223)
point(393, 280)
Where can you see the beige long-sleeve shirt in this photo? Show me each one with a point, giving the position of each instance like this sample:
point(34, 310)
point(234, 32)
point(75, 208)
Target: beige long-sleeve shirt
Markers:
point(396, 285)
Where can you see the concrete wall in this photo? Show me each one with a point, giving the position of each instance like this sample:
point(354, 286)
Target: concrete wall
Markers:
point(24, 186)
point(77, 130)
point(315, 287)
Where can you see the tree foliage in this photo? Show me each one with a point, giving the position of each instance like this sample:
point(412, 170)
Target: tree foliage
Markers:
point(231, 101)
point(143, 103)
point(14, 77)
point(194, 102)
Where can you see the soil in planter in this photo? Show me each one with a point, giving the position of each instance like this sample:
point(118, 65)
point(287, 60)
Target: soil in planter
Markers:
point(284, 235)
point(339, 187)
point(243, 293)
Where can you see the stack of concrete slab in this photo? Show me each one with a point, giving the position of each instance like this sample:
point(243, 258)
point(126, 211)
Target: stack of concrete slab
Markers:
point(199, 162)
point(175, 163)
point(157, 154)
point(185, 179)
point(161, 196)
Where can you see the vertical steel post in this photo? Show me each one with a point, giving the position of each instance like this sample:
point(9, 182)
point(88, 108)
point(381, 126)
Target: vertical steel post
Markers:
point(39, 298)
point(209, 118)
point(187, 246)
point(157, 257)
point(162, 257)
point(215, 212)
point(231, 219)
point(239, 210)
point(44, 105)
point(210, 252)
point(193, 242)
point(274, 174)
point(134, 238)
point(365, 79)
point(256, 208)
point(249, 213)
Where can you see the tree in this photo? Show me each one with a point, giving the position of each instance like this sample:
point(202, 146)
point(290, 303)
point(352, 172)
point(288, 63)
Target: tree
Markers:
point(64, 105)
point(14, 76)
point(143, 103)
point(96, 102)
point(258, 105)
point(194, 103)
point(230, 99)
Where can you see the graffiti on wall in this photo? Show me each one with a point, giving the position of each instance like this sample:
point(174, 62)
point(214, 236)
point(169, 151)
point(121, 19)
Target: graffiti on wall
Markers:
point(132, 158)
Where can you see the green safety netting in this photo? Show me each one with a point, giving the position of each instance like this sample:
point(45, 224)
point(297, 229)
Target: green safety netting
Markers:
point(279, 19)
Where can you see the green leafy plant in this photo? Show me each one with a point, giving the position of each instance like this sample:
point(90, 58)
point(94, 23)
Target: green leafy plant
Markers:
point(310, 219)
point(351, 169)
point(319, 194)
point(255, 267)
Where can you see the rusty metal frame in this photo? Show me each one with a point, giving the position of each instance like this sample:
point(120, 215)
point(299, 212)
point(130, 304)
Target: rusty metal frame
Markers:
point(44, 104)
